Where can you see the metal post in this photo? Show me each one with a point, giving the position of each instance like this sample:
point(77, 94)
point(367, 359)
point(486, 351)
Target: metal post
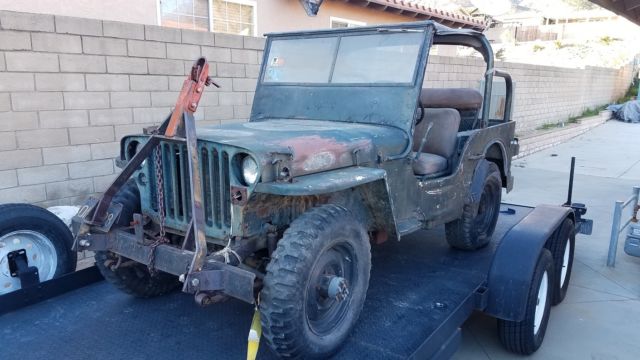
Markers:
point(615, 233)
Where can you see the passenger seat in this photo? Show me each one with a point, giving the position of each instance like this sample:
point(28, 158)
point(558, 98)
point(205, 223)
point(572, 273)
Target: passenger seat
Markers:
point(440, 144)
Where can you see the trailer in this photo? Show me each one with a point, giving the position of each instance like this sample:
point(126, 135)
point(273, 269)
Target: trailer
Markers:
point(422, 293)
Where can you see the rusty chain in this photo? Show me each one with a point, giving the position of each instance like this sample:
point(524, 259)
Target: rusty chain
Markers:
point(161, 238)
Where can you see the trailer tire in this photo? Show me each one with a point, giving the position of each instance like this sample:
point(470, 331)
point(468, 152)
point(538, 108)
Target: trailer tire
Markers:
point(525, 337)
point(133, 279)
point(45, 238)
point(562, 248)
point(474, 229)
point(300, 317)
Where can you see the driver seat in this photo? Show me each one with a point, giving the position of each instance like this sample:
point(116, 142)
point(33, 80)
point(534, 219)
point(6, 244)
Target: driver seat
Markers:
point(440, 145)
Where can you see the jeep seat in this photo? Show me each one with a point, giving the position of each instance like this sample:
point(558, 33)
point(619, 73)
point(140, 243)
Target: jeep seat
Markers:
point(466, 101)
point(440, 144)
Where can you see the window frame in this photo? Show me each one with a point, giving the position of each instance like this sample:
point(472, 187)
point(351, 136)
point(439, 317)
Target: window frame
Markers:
point(346, 21)
point(252, 3)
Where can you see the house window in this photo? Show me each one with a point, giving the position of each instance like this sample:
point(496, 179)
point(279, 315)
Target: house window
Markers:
point(340, 23)
point(185, 14)
point(234, 16)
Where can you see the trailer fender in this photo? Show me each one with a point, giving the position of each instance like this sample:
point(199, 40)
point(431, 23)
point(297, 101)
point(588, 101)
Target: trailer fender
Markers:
point(515, 260)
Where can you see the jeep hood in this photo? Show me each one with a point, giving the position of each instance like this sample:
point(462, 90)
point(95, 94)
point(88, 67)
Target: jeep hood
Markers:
point(312, 145)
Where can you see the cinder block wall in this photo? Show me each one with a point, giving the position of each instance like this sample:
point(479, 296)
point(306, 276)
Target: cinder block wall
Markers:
point(70, 88)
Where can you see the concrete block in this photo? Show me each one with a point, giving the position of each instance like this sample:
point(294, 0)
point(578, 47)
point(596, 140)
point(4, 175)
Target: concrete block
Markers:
point(123, 30)
point(231, 98)
point(150, 49)
point(20, 159)
point(23, 194)
point(5, 102)
point(8, 179)
point(31, 101)
point(223, 112)
point(107, 82)
point(150, 115)
point(59, 82)
point(231, 70)
point(14, 40)
point(62, 189)
point(28, 61)
point(49, 42)
point(241, 112)
point(124, 130)
point(16, 81)
point(125, 65)
point(86, 100)
point(250, 96)
point(255, 43)
point(11, 121)
point(229, 41)
point(42, 174)
point(175, 82)
point(108, 150)
point(25, 21)
point(39, 138)
point(216, 54)
point(161, 33)
point(198, 37)
point(110, 117)
point(149, 82)
point(63, 119)
point(183, 51)
point(104, 46)
point(91, 168)
point(163, 98)
point(75, 25)
point(244, 56)
point(7, 141)
point(66, 154)
point(130, 99)
point(101, 183)
point(166, 67)
point(209, 99)
point(91, 135)
point(83, 63)
point(244, 84)
point(3, 64)
point(252, 71)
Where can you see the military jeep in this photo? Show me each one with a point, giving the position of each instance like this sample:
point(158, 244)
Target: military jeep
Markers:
point(343, 149)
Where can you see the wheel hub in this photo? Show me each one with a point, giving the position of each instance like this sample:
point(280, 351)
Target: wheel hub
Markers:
point(336, 288)
point(40, 253)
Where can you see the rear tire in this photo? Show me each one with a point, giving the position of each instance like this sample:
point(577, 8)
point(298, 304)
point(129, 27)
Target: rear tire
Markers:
point(525, 337)
point(301, 316)
point(133, 279)
point(562, 248)
point(474, 229)
point(45, 238)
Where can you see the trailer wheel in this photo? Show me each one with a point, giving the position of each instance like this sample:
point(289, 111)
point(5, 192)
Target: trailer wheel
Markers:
point(131, 277)
point(316, 284)
point(45, 240)
point(474, 229)
point(525, 337)
point(562, 247)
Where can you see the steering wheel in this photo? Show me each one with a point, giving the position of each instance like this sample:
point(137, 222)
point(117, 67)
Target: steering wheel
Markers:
point(419, 119)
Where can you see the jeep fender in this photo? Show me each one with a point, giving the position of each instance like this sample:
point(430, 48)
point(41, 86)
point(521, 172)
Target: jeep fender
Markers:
point(477, 182)
point(515, 261)
point(371, 182)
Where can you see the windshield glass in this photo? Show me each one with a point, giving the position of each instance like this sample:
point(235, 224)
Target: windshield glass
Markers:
point(385, 58)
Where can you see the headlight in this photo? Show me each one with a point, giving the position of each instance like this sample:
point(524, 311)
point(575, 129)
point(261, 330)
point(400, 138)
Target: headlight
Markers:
point(249, 170)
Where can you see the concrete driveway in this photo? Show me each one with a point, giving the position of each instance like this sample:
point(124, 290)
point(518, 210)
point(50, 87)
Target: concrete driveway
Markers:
point(599, 318)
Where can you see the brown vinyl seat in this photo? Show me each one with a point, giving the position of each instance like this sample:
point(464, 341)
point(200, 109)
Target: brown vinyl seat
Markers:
point(455, 98)
point(440, 144)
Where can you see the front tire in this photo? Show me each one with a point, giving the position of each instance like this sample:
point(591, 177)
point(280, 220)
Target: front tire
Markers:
point(132, 278)
point(474, 229)
point(525, 337)
point(316, 283)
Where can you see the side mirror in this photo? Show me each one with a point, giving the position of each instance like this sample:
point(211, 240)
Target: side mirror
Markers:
point(311, 6)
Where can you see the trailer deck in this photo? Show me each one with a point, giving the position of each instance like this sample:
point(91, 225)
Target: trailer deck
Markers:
point(420, 293)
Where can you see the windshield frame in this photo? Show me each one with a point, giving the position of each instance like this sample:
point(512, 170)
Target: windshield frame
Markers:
point(340, 35)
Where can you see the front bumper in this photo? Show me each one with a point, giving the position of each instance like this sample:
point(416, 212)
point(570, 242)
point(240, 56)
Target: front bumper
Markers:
point(215, 276)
